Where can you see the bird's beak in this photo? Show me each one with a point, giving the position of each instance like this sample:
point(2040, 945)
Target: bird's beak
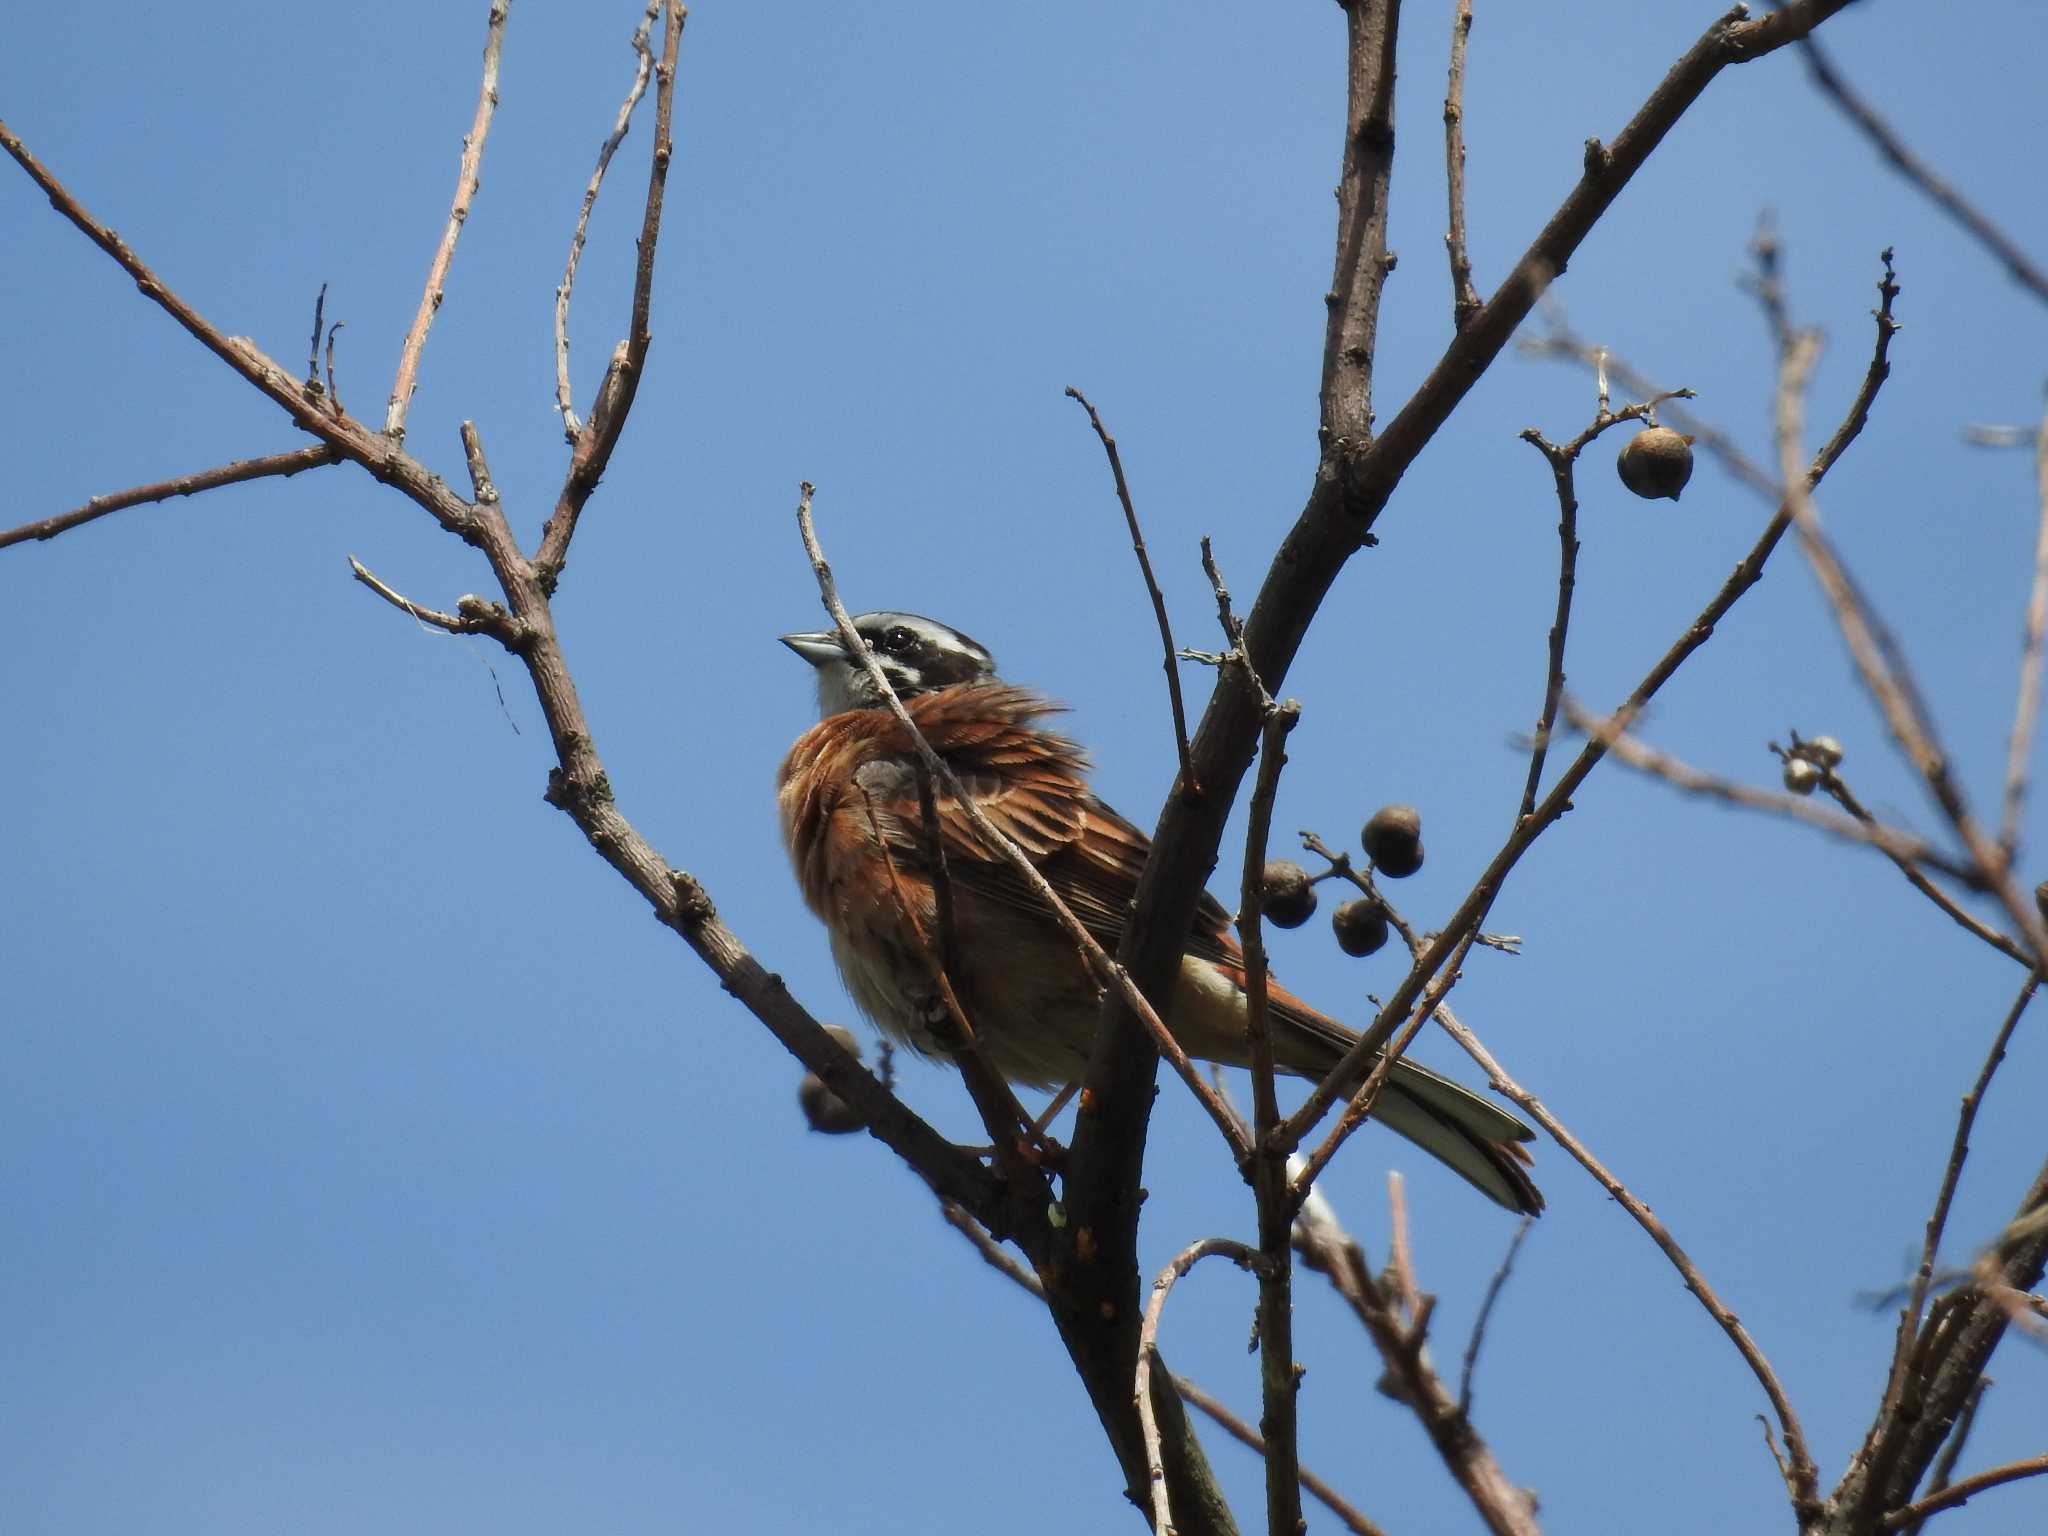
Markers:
point(817, 647)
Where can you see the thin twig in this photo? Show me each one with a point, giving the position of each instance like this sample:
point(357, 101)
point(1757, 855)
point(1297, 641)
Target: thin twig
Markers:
point(273, 465)
point(643, 69)
point(1902, 847)
point(1106, 970)
point(1148, 1350)
point(482, 619)
point(1563, 460)
point(1802, 1476)
point(990, 1250)
point(1962, 1492)
point(1803, 1481)
point(1937, 1220)
point(466, 181)
point(1493, 1289)
point(1188, 786)
point(1914, 169)
point(319, 324)
point(615, 392)
point(1465, 300)
point(2021, 744)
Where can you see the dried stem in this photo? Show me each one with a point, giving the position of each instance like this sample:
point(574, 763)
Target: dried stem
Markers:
point(1188, 786)
point(1148, 1352)
point(273, 465)
point(1914, 169)
point(2029, 701)
point(643, 69)
point(1465, 300)
point(466, 180)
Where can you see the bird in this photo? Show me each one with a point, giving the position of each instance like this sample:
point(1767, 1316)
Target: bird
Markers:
point(852, 817)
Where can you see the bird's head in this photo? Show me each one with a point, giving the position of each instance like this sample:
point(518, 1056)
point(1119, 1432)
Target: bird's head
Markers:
point(917, 655)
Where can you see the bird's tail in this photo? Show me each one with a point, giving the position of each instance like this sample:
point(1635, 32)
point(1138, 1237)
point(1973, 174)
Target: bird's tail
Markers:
point(1468, 1134)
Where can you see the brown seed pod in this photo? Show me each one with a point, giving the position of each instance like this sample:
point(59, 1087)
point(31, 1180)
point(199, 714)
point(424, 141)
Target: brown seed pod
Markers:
point(1360, 926)
point(1656, 462)
point(1393, 840)
point(1290, 899)
point(824, 1111)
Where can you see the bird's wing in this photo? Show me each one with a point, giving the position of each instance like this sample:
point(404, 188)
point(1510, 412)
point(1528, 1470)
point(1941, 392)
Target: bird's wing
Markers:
point(1032, 785)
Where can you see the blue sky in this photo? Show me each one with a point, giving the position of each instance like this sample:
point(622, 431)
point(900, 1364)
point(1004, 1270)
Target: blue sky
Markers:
point(369, 1160)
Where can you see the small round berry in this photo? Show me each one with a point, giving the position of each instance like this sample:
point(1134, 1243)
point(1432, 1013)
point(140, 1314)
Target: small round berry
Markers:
point(1825, 750)
point(1360, 926)
point(1290, 899)
point(1393, 840)
point(1801, 777)
point(1656, 462)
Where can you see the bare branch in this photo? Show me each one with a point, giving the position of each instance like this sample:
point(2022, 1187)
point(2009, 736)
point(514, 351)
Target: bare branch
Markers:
point(1148, 1353)
point(2029, 701)
point(273, 465)
point(1188, 786)
point(494, 622)
point(643, 68)
point(466, 181)
point(1969, 1487)
point(1465, 300)
point(1914, 169)
point(614, 401)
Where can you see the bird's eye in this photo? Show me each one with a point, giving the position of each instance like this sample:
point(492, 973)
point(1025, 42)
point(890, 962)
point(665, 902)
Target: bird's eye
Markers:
point(896, 638)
